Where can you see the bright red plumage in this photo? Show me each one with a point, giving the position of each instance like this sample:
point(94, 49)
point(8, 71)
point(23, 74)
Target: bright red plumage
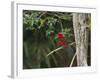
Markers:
point(61, 40)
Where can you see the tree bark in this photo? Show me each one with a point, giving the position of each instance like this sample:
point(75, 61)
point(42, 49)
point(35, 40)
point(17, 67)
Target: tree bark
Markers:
point(81, 37)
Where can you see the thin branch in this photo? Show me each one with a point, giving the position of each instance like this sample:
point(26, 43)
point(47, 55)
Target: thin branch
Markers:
point(55, 50)
point(42, 14)
point(73, 59)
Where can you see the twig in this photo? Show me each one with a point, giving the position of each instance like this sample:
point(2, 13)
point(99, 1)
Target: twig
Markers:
point(55, 50)
point(73, 59)
point(58, 49)
point(42, 14)
point(72, 43)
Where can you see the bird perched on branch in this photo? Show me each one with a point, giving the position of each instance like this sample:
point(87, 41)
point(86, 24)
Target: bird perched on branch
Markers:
point(61, 40)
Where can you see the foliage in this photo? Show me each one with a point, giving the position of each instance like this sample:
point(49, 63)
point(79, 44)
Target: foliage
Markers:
point(40, 29)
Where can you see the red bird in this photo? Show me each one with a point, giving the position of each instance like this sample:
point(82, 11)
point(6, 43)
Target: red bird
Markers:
point(61, 40)
point(60, 36)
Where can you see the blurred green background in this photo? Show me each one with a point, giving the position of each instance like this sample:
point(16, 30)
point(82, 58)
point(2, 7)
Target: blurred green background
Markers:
point(40, 29)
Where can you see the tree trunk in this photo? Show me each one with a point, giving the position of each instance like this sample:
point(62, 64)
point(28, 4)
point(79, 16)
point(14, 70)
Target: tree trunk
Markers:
point(81, 37)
